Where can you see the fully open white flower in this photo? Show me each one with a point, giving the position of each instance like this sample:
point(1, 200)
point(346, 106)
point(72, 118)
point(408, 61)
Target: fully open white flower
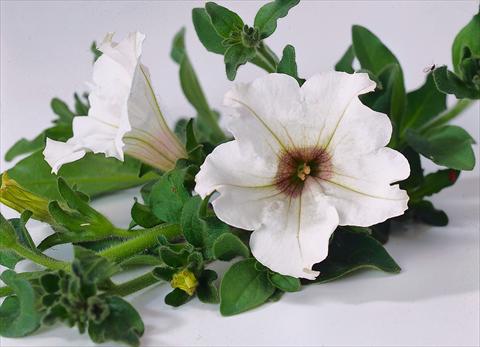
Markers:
point(303, 161)
point(124, 116)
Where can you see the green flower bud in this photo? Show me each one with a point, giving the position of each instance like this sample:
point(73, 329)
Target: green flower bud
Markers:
point(16, 197)
point(185, 280)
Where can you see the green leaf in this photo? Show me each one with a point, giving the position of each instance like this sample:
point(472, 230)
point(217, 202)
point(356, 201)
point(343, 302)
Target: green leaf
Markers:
point(244, 288)
point(372, 54)
point(61, 109)
point(142, 215)
point(168, 196)
point(448, 145)
point(18, 316)
point(206, 290)
point(123, 324)
point(24, 146)
point(391, 99)
point(224, 21)
point(81, 107)
point(285, 283)
point(94, 175)
point(228, 246)
point(345, 63)
point(7, 234)
point(350, 251)
point(92, 268)
point(235, 56)
point(96, 53)
point(427, 213)
point(267, 16)
point(200, 228)
point(206, 31)
point(467, 37)
point(424, 104)
point(8, 257)
point(416, 170)
point(434, 183)
point(81, 222)
point(449, 83)
point(192, 89)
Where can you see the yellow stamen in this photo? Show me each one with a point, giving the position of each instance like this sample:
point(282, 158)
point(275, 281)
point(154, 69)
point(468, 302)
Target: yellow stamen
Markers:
point(304, 171)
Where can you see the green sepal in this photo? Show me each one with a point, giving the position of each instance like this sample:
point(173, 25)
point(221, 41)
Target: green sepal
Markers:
point(207, 292)
point(288, 65)
point(235, 56)
point(177, 297)
point(449, 83)
point(467, 37)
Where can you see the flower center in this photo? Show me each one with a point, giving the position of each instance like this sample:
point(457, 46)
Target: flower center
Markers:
point(297, 165)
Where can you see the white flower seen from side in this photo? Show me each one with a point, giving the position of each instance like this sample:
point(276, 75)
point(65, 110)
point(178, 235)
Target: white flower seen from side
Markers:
point(304, 160)
point(124, 115)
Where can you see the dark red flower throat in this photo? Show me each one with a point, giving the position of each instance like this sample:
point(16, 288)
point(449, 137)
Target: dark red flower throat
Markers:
point(297, 165)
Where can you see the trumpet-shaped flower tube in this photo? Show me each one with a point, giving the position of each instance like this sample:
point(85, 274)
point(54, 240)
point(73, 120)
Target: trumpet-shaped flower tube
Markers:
point(304, 160)
point(124, 115)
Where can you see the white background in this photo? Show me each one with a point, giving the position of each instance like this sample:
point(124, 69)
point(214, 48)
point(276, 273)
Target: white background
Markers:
point(434, 301)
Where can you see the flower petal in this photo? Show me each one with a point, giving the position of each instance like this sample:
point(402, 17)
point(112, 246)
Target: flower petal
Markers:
point(57, 153)
point(361, 190)
point(107, 121)
point(295, 233)
point(244, 182)
point(264, 108)
point(149, 138)
point(327, 97)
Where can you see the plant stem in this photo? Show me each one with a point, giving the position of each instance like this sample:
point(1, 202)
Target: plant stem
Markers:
point(134, 285)
point(41, 259)
point(136, 244)
point(447, 116)
point(268, 57)
point(5, 291)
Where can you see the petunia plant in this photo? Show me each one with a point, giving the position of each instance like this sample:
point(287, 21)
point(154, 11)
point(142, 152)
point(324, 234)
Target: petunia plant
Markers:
point(302, 185)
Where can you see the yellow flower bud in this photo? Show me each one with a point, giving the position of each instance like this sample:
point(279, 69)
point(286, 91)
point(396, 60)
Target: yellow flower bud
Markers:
point(16, 197)
point(185, 280)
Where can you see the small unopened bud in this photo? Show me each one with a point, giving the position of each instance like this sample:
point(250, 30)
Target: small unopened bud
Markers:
point(185, 280)
point(16, 197)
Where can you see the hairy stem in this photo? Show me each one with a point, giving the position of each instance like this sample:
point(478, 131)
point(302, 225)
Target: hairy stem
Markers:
point(268, 58)
point(134, 285)
point(146, 239)
point(41, 259)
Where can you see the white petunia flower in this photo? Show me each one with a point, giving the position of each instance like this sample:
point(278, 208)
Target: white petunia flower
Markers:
point(303, 161)
point(124, 116)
